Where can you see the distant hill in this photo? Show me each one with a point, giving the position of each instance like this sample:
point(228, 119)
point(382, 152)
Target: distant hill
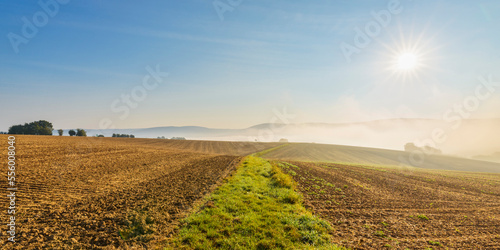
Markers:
point(471, 138)
point(493, 158)
point(190, 132)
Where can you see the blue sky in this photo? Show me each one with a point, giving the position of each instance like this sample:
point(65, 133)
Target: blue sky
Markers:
point(232, 73)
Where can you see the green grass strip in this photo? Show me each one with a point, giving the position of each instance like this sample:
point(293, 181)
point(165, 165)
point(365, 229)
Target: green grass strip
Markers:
point(267, 151)
point(257, 208)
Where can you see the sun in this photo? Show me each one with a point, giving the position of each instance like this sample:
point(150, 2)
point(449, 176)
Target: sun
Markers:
point(408, 57)
point(407, 61)
point(406, 65)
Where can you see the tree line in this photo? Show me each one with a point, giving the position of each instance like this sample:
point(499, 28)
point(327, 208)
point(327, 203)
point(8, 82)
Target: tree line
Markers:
point(33, 128)
point(41, 127)
point(78, 132)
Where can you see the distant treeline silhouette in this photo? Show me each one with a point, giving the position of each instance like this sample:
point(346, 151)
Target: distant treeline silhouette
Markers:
point(33, 128)
point(41, 127)
point(78, 132)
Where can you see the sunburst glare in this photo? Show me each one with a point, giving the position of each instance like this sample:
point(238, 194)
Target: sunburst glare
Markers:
point(408, 57)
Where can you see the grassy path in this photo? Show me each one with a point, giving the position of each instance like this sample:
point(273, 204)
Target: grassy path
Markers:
point(257, 208)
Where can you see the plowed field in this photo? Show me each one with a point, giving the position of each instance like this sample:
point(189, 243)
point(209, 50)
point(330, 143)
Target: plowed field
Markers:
point(309, 152)
point(95, 193)
point(211, 147)
point(373, 208)
point(106, 193)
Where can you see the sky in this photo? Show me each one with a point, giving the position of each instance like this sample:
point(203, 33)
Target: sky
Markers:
point(130, 64)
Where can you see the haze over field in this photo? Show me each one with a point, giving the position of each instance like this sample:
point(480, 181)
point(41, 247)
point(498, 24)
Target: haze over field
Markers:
point(234, 72)
point(238, 124)
point(377, 74)
point(469, 138)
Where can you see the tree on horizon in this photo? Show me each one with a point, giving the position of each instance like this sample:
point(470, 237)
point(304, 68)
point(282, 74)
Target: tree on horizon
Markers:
point(81, 132)
point(41, 127)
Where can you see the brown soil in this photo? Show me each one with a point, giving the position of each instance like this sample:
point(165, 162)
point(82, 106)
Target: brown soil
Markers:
point(373, 208)
point(210, 147)
point(79, 193)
